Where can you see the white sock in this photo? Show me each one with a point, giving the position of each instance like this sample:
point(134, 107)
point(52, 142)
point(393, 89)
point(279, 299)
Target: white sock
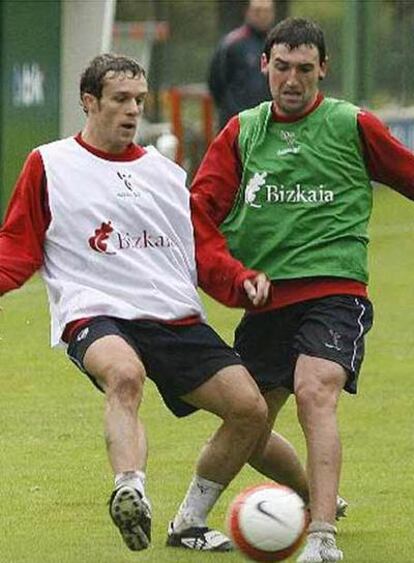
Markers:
point(134, 479)
point(201, 496)
point(319, 526)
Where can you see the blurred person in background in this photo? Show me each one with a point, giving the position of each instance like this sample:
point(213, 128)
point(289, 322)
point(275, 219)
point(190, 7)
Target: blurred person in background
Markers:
point(235, 79)
point(285, 190)
point(108, 224)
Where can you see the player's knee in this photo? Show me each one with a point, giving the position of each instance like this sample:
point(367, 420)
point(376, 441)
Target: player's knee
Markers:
point(126, 382)
point(314, 396)
point(318, 384)
point(250, 411)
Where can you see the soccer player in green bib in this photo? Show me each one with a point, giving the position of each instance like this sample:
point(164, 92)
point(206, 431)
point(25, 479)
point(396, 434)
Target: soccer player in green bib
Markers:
point(281, 205)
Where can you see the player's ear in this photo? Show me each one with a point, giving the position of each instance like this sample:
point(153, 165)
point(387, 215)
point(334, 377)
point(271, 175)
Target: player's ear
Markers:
point(88, 102)
point(264, 64)
point(323, 69)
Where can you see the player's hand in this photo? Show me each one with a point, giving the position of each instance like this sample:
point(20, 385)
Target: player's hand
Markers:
point(257, 289)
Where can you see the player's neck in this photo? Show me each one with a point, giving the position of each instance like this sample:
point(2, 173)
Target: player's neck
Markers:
point(279, 115)
point(100, 144)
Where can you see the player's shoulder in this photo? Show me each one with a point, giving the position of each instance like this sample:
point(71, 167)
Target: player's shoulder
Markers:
point(261, 111)
point(153, 154)
point(340, 106)
point(339, 111)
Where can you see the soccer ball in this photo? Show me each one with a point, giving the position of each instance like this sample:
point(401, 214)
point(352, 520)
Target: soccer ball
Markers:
point(267, 522)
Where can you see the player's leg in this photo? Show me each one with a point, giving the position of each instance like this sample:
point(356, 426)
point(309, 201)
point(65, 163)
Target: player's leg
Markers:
point(119, 372)
point(277, 459)
point(274, 456)
point(232, 395)
point(264, 343)
point(115, 368)
point(330, 346)
point(318, 384)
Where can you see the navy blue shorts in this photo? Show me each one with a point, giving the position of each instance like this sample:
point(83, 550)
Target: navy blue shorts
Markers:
point(177, 358)
point(331, 327)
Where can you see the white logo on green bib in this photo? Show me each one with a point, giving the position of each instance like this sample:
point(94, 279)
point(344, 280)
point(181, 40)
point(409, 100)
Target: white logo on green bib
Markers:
point(292, 146)
point(252, 188)
point(275, 193)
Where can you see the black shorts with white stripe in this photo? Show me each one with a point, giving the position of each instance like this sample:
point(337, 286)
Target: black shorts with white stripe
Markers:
point(332, 328)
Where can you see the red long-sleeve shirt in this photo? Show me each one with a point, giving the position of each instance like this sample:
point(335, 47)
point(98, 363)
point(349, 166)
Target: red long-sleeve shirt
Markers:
point(27, 218)
point(213, 194)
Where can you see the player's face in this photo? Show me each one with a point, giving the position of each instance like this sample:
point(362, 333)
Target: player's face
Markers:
point(294, 76)
point(113, 119)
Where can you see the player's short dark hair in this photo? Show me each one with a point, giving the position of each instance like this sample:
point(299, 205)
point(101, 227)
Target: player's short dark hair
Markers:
point(294, 32)
point(92, 78)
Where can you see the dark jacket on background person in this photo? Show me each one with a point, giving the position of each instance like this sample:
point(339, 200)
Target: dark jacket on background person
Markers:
point(235, 80)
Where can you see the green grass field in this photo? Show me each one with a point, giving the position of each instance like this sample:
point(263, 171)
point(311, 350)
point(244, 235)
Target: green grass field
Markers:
point(55, 479)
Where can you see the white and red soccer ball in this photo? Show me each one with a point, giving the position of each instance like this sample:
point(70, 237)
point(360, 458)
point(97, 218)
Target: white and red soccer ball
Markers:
point(267, 522)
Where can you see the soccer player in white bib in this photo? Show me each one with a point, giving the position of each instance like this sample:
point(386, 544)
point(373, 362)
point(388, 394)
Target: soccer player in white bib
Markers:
point(107, 223)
